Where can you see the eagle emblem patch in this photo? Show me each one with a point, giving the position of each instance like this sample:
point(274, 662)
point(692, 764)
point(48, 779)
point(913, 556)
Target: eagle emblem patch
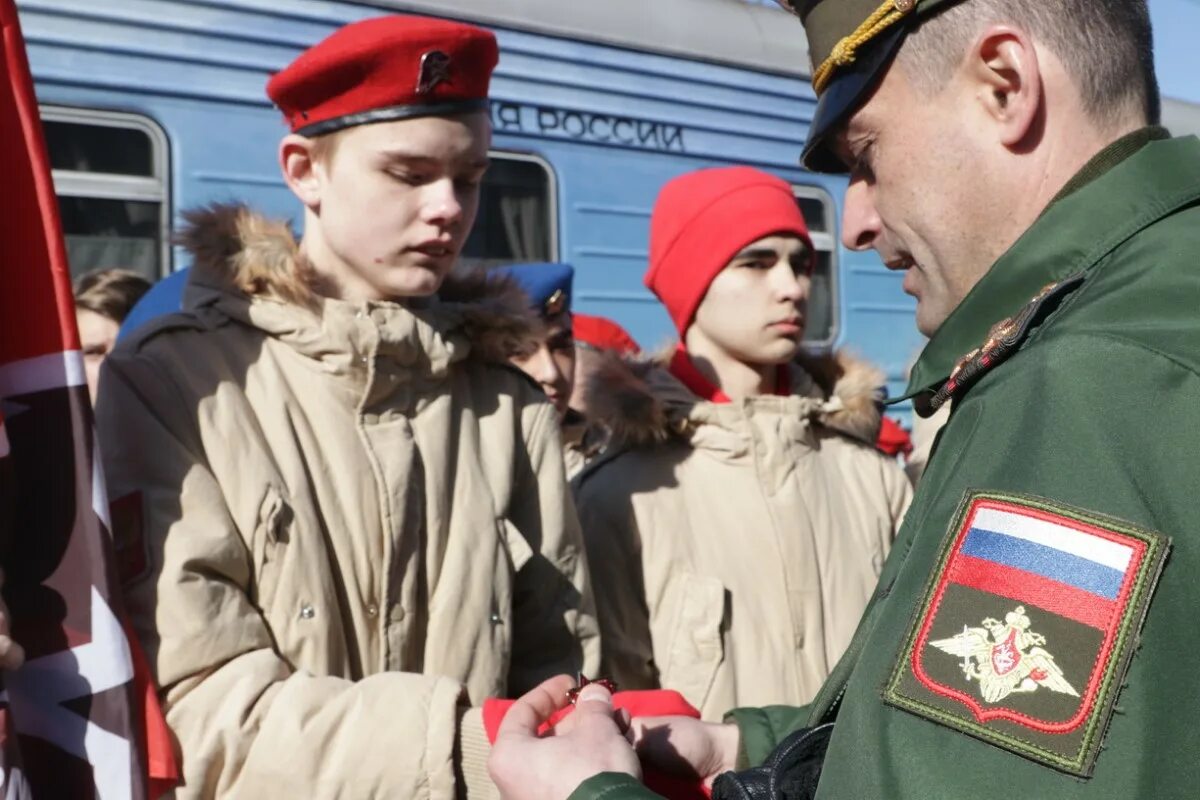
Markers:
point(1006, 657)
point(1028, 626)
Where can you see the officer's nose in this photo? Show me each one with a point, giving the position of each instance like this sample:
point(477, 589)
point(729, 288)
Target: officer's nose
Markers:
point(861, 224)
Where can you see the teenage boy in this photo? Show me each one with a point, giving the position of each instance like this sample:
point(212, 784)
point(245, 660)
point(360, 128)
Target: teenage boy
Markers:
point(343, 517)
point(552, 361)
point(737, 523)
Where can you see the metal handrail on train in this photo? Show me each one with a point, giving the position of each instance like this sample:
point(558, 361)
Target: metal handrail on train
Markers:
point(720, 31)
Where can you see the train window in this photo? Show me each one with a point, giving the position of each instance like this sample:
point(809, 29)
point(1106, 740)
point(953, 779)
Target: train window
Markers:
point(110, 175)
point(817, 207)
point(814, 212)
point(516, 221)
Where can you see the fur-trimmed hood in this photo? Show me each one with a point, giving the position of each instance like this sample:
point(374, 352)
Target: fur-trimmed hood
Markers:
point(640, 402)
point(251, 267)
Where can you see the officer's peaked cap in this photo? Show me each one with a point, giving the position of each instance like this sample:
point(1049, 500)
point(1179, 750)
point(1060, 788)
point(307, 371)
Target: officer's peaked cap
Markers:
point(851, 43)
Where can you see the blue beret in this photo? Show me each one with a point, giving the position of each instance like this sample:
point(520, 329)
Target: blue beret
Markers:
point(548, 285)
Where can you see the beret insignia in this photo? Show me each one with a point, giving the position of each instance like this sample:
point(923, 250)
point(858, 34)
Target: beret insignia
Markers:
point(435, 70)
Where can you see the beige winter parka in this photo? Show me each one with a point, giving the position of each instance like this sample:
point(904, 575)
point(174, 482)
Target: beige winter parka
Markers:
point(734, 546)
point(339, 523)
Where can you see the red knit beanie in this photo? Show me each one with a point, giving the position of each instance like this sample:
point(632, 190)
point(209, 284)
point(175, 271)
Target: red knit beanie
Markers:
point(700, 222)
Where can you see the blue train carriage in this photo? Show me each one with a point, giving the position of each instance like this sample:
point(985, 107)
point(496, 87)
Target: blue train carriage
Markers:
point(153, 106)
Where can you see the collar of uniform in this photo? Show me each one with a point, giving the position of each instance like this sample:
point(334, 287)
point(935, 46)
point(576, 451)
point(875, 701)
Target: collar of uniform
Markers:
point(1110, 156)
point(1070, 236)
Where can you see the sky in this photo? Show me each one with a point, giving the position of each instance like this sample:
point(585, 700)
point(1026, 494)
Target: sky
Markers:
point(1177, 51)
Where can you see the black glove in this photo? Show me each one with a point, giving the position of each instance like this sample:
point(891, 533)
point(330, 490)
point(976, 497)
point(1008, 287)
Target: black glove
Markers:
point(791, 773)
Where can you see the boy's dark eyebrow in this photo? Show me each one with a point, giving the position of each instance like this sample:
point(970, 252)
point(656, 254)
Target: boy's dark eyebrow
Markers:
point(799, 253)
point(757, 252)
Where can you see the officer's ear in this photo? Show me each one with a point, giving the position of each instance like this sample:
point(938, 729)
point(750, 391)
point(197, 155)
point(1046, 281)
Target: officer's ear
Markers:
point(1004, 70)
point(301, 167)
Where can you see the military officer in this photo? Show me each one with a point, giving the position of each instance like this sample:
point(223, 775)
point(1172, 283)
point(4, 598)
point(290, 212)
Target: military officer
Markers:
point(1029, 636)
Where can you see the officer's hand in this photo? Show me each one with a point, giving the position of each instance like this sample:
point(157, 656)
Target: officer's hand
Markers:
point(12, 655)
point(686, 747)
point(525, 766)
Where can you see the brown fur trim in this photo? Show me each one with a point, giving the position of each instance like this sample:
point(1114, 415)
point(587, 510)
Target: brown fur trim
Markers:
point(247, 251)
point(859, 385)
point(496, 314)
point(622, 398)
point(210, 234)
point(236, 247)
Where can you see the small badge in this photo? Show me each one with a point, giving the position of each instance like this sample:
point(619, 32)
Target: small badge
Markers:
point(435, 70)
point(1028, 627)
point(555, 304)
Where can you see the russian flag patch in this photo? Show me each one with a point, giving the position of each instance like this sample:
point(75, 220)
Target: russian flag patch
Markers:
point(1028, 626)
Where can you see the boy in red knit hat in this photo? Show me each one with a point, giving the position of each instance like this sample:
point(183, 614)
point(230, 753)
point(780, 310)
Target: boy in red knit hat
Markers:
point(738, 520)
point(347, 516)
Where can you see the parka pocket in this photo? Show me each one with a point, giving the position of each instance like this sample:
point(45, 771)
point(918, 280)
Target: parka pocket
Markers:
point(271, 535)
point(696, 648)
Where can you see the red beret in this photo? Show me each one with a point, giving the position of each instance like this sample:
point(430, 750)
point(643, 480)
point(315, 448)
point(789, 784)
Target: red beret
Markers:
point(602, 333)
point(384, 69)
point(702, 220)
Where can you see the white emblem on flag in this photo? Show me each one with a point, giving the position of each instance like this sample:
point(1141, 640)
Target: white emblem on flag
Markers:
point(37, 691)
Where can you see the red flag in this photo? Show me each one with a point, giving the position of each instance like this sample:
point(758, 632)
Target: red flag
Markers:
point(72, 719)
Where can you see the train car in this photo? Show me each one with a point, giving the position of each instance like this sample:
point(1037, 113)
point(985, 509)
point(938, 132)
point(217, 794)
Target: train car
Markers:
point(154, 106)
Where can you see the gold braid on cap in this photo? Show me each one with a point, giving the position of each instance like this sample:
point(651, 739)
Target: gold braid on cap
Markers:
point(843, 53)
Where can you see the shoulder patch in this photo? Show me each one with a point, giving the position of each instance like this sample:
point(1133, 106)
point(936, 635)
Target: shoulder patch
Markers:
point(1028, 626)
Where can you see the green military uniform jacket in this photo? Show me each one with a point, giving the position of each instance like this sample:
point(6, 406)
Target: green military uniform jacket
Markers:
point(1034, 632)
